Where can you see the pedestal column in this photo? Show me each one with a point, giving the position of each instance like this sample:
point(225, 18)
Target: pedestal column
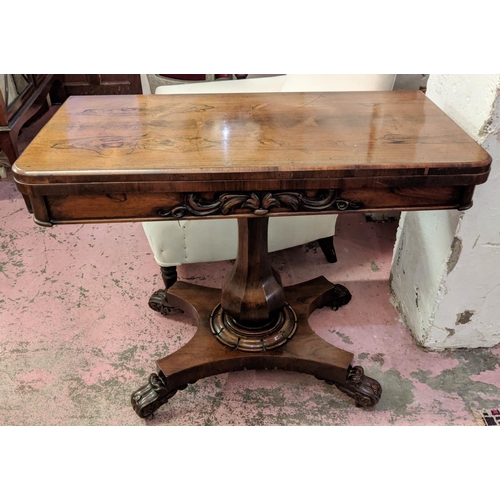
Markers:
point(252, 293)
point(253, 314)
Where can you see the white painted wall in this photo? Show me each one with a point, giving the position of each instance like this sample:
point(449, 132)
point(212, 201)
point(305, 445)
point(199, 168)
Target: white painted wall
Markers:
point(445, 275)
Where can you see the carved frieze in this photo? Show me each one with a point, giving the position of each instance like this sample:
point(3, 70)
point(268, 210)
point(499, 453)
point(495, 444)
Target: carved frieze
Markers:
point(261, 203)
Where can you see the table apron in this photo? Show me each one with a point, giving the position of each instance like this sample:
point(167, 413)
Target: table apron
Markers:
point(50, 208)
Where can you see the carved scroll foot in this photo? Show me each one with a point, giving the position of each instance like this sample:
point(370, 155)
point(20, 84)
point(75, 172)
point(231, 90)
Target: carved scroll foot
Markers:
point(158, 302)
point(148, 398)
point(364, 390)
point(337, 297)
point(204, 355)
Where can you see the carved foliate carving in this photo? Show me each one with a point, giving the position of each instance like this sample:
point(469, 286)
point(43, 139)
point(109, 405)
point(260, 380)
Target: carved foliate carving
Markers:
point(260, 203)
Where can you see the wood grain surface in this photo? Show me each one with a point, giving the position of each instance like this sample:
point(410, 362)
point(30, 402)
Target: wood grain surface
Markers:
point(346, 133)
point(135, 157)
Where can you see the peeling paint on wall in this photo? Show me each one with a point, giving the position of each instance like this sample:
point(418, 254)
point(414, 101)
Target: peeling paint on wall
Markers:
point(464, 318)
point(456, 250)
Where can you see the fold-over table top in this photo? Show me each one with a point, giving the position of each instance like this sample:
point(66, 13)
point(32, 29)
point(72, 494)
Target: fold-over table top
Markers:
point(134, 138)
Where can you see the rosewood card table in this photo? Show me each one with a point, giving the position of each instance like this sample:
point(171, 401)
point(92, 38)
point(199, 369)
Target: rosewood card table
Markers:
point(249, 156)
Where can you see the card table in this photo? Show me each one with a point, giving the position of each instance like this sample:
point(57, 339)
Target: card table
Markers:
point(251, 157)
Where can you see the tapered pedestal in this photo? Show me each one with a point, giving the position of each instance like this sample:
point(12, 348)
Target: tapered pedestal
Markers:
point(205, 355)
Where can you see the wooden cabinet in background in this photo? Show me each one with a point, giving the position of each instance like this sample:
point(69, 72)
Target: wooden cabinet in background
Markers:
point(102, 84)
point(22, 98)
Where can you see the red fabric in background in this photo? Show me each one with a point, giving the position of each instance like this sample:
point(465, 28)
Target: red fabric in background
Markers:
point(186, 77)
point(193, 77)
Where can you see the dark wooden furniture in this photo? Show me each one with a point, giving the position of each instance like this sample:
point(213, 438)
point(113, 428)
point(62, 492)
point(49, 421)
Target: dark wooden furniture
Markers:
point(158, 300)
point(250, 156)
point(101, 84)
point(16, 108)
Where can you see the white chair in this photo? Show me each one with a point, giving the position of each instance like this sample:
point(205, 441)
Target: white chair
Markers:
point(187, 241)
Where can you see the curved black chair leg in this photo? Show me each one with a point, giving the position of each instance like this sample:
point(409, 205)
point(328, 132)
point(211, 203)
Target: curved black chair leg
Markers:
point(328, 249)
point(169, 276)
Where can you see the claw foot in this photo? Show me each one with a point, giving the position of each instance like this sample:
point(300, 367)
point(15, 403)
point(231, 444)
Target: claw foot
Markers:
point(339, 296)
point(147, 399)
point(366, 391)
point(158, 302)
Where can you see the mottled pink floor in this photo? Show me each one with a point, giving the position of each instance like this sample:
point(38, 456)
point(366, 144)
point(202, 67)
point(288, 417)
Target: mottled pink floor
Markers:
point(77, 337)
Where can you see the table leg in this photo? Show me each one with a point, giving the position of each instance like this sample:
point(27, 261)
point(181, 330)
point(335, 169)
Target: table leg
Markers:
point(253, 327)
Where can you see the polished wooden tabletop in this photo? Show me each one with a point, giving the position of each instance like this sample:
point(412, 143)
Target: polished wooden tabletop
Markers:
point(196, 137)
point(148, 157)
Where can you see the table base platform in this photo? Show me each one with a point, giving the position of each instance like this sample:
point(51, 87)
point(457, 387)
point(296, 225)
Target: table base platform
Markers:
point(205, 355)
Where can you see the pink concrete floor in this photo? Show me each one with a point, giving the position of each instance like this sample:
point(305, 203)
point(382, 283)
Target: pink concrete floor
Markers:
point(77, 337)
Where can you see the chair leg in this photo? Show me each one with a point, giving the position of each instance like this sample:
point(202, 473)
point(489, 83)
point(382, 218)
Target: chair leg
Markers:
point(158, 301)
point(326, 245)
point(169, 275)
